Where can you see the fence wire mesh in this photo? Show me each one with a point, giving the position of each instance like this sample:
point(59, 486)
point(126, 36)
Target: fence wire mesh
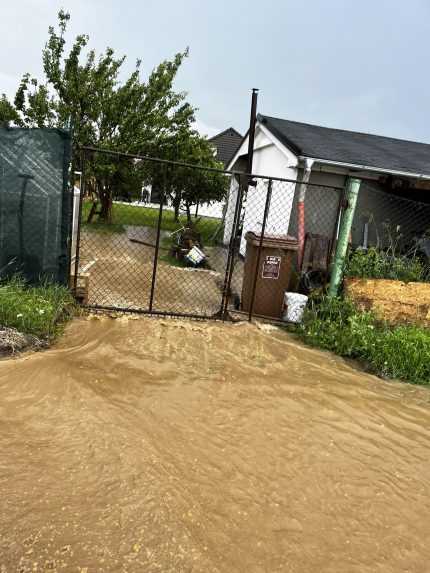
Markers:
point(276, 248)
point(389, 220)
point(164, 237)
point(184, 240)
point(153, 248)
point(174, 239)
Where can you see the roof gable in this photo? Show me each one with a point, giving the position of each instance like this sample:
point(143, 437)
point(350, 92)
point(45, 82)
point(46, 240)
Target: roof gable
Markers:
point(361, 149)
point(226, 143)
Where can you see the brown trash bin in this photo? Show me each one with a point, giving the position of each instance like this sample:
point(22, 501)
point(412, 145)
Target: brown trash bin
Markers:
point(273, 275)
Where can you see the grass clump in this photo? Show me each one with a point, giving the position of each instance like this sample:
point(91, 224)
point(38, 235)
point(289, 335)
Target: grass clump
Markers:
point(403, 352)
point(34, 310)
point(380, 264)
point(336, 324)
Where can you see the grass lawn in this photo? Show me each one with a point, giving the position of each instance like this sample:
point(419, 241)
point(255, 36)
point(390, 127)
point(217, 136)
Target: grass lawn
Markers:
point(124, 215)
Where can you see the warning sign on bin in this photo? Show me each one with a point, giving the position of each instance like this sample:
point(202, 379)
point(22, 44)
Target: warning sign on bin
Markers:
point(271, 267)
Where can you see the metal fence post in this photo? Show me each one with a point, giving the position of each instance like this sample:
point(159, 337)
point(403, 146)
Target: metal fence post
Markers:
point(78, 234)
point(260, 246)
point(157, 240)
point(333, 242)
point(353, 188)
point(70, 195)
point(230, 256)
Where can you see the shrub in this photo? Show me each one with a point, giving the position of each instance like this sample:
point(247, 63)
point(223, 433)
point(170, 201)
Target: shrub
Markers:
point(336, 324)
point(34, 310)
point(378, 264)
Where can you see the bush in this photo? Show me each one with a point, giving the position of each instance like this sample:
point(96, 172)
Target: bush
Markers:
point(377, 264)
point(336, 324)
point(34, 310)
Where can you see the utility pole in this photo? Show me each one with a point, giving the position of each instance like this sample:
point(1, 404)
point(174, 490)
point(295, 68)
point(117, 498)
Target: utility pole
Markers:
point(251, 133)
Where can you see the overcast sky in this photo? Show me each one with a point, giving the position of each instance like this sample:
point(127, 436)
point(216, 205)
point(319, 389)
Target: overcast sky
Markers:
point(361, 65)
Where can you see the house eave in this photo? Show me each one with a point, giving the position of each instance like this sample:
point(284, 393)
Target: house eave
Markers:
point(369, 168)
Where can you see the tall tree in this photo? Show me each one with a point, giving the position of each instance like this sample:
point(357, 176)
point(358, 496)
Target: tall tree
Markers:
point(8, 113)
point(190, 186)
point(83, 90)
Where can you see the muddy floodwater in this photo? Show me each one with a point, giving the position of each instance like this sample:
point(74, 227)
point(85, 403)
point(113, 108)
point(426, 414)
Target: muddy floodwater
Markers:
point(169, 446)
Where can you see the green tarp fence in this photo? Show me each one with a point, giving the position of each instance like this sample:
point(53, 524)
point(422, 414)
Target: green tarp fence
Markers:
point(35, 202)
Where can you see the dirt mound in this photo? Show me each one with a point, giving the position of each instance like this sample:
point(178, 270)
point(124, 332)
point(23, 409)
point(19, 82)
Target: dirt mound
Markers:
point(394, 301)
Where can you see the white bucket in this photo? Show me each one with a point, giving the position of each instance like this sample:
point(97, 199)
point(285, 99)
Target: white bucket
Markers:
point(294, 306)
point(195, 256)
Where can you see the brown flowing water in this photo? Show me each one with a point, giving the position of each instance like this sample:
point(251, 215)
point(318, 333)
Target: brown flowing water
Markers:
point(160, 445)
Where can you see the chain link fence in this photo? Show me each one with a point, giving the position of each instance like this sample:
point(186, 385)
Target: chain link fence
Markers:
point(277, 249)
point(388, 220)
point(169, 238)
point(157, 236)
point(145, 244)
point(173, 238)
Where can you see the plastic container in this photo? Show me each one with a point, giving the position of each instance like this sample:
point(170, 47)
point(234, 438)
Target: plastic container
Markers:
point(195, 256)
point(294, 306)
point(273, 275)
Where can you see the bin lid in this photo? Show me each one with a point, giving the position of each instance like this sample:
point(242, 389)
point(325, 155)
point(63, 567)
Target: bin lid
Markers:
point(278, 241)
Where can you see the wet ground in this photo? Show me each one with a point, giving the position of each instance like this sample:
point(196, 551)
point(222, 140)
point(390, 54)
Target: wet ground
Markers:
point(160, 445)
point(120, 275)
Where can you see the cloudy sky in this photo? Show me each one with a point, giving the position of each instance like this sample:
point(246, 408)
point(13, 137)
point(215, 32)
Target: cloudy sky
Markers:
point(361, 65)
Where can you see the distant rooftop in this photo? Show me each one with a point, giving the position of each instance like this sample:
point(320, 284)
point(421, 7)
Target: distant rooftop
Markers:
point(226, 143)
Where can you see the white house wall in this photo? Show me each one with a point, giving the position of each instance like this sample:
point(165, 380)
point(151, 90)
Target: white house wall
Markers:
point(261, 140)
point(230, 209)
point(268, 161)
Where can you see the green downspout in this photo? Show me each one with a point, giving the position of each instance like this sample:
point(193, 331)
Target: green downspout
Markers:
point(352, 190)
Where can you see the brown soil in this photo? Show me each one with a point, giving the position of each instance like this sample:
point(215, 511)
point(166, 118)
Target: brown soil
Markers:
point(394, 301)
point(170, 446)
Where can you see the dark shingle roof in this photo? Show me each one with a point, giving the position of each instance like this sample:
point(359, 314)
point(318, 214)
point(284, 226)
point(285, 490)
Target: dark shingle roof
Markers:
point(226, 143)
point(350, 146)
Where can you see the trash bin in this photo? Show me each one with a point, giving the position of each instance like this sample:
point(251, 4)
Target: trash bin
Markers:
point(273, 273)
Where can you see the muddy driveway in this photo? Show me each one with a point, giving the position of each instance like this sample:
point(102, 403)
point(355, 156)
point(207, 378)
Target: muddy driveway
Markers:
point(120, 275)
point(148, 445)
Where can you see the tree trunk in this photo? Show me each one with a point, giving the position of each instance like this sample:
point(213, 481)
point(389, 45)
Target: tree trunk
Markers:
point(105, 214)
point(105, 196)
point(92, 212)
point(176, 204)
point(188, 209)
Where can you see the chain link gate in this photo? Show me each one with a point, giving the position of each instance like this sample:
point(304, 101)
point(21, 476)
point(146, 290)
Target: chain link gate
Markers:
point(138, 251)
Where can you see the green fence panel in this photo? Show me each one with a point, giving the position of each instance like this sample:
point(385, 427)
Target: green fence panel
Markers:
point(35, 221)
